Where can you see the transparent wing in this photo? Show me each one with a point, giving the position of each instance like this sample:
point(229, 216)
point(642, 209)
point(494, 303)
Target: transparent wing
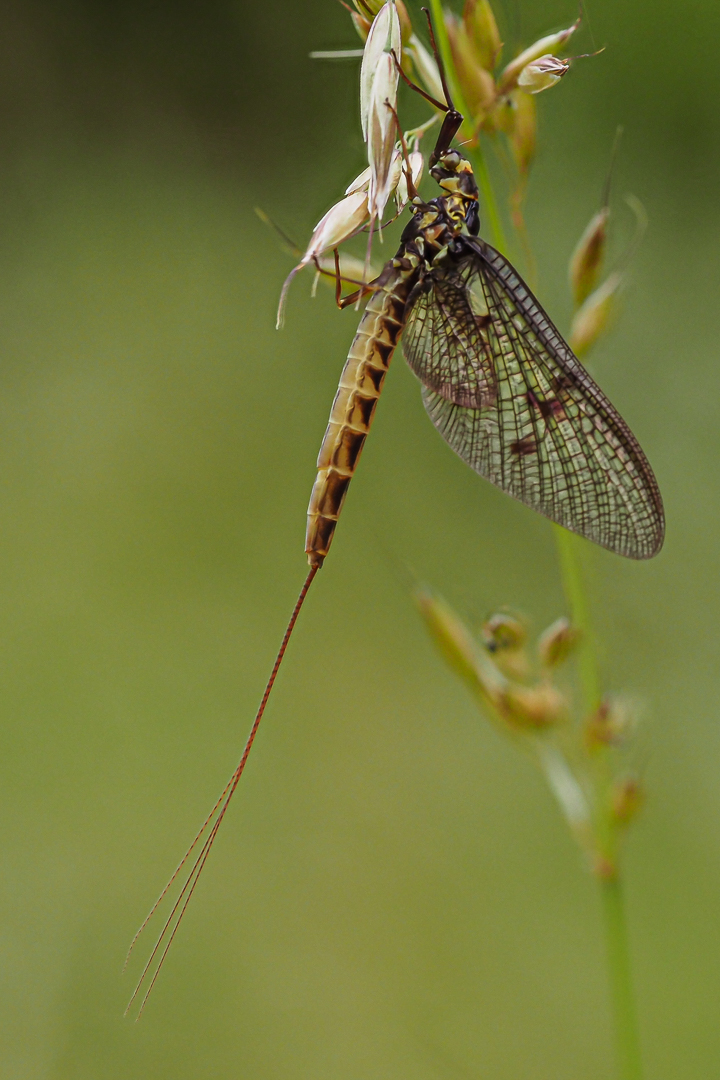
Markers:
point(445, 341)
point(542, 430)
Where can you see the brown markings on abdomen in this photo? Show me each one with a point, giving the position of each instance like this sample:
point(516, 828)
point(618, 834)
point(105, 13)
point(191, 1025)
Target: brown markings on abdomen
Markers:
point(352, 413)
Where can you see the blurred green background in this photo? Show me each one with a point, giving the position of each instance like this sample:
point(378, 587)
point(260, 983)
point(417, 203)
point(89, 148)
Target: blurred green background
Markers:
point(393, 893)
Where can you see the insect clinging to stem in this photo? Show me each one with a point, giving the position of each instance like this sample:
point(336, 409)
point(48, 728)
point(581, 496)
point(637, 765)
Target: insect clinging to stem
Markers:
point(498, 382)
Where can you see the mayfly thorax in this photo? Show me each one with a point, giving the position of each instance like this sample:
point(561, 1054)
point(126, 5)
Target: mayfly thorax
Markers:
point(498, 382)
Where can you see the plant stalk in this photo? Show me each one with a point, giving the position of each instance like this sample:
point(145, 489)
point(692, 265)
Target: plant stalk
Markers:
point(616, 938)
point(621, 989)
point(475, 154)
point(572, 581)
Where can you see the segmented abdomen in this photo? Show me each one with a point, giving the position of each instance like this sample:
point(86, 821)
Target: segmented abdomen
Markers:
point(352, 413)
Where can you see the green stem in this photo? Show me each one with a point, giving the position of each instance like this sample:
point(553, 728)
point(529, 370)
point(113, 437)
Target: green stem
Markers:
point(618, 955)
point(572, 581)
point(621, 989)
point(476, 155)
point(482, 175)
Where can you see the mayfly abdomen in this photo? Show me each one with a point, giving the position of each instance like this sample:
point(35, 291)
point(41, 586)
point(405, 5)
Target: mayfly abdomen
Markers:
point(352, 413)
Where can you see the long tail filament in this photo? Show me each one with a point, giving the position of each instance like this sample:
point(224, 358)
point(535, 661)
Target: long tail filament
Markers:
point(212, 822)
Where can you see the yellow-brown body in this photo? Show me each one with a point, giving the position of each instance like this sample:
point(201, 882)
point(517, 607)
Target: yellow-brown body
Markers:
point(352, 413)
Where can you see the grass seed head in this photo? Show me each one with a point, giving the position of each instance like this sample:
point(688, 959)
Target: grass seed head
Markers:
point(406, 29)
point(626, 800)
point(372, 6)
point(522, 129)
point(460, 649)
point(381, 132)
point(426, 68)
point(482, 31)
point(504, 633)
point(587, 258)
point(611, 724)
point(477, 84)
point(542, 73)
point(340, 223)
point(384, 38)
point(417, 166)
point(361, 24)
point(596, 314)
point(508, 79)
point(534, 707)
point(557, 643)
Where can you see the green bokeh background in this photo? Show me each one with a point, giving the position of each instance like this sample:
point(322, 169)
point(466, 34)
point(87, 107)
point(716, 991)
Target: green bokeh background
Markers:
point(393, 894)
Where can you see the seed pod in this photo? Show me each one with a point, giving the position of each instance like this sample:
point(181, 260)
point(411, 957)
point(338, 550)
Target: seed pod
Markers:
point(476, 84)
point(384, 37)
point(542, 73)
point(557, 643)
point(587, 258)
point(545, 45)
point(340, 223)
point(482, 31)
point(426, 67)
point(595, 315)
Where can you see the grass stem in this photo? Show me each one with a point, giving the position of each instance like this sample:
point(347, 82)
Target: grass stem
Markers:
point(568, 548)
point(573, 587)
point(475, 154)
point(621, 989)
point(497, 233)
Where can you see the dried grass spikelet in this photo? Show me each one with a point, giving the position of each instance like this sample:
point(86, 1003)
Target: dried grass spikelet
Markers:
point(542, 73)
point(426, 68)
point(372, 6)
point(417, 167)
point(522, 130)
point(341, 222)
point(596, 314)
point(361, 24)
point(587, 259)
point(476, 83)
point(384, 38)
point(381, 132)
point(626, 800)
point(557, 643)
point(460, 649)
point(510, 75)
point(504, 637)
point(534, 707)
point(611, 724)
point(482, 32)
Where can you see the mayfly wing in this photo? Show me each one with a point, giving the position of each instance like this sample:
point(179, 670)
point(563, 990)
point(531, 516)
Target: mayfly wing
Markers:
point(546, 435)
point(444, 344)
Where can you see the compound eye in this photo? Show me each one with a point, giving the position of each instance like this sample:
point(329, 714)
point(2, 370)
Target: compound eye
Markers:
point(451, 160)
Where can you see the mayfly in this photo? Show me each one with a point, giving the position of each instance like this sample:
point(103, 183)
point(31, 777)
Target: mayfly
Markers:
point(503, 389)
